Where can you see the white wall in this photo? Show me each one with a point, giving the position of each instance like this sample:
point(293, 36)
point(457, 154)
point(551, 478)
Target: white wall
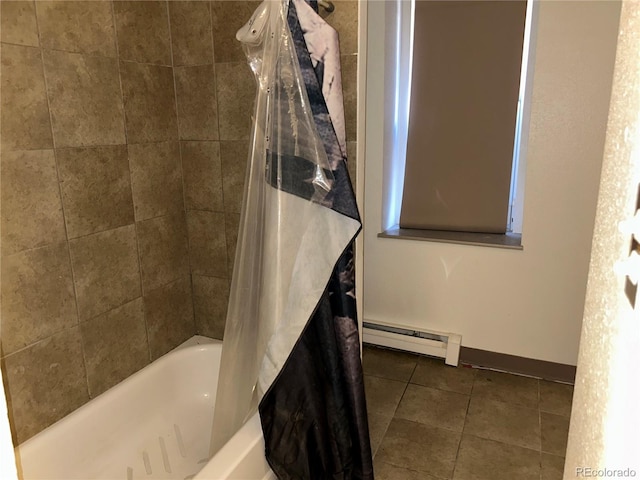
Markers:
point(527, 303)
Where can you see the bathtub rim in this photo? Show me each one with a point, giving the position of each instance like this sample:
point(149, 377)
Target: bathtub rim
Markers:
point(242, 457)
point(27, 452)
point(191, 342)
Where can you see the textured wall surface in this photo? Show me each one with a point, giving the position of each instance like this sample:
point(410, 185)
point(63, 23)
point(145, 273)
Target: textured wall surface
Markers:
point(124, 129)
point(605, 425)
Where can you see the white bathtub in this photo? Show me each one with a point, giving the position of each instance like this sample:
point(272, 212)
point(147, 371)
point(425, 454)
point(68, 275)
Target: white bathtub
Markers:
point(154, 425)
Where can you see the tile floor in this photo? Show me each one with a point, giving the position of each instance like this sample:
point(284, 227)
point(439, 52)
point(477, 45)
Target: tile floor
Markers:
point(429, 421)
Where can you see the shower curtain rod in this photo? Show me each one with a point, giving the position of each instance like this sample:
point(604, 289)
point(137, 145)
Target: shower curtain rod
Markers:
point(327, 5)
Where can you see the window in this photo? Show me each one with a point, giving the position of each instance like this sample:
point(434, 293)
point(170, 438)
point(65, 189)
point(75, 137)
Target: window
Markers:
point(463, 138)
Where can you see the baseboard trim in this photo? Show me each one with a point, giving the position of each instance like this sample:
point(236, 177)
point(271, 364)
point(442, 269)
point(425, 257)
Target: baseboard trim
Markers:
point(558, 372)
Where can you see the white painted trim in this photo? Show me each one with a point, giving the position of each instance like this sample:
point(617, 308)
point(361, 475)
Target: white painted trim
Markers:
point(524, 126)
point(453, 349)
point(361, 152)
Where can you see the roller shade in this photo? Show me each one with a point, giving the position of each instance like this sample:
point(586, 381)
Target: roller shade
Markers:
point(467, 58)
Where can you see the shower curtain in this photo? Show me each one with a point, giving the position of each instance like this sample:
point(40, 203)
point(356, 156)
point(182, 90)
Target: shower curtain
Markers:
point(291, 345)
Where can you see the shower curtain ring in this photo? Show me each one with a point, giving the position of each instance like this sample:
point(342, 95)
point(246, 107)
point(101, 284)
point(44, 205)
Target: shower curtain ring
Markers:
point(327, 5)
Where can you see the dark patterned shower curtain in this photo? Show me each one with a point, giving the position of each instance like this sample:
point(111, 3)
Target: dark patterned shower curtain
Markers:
point(291, 345)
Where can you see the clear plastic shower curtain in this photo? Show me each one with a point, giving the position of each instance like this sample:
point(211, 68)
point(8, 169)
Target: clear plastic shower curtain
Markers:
point(291, 346)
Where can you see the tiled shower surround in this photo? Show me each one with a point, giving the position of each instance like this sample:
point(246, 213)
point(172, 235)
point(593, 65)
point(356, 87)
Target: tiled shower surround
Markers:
point(125, 130)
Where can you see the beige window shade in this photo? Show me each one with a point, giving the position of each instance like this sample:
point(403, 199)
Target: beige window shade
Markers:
point(467, 57)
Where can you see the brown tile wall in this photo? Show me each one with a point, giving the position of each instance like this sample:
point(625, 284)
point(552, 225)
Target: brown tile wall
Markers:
point(95, 264)
point(124, 143)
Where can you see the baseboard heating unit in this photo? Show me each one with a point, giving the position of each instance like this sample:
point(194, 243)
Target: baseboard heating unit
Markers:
point(436, 344)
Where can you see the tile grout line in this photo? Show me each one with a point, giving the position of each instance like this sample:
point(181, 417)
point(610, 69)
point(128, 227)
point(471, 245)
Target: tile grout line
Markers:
point(106, 145)
point(127, 142)
point(464, 425)
point(540, 428)
point(37, 342)
point(184, 200)
point(219, 140)
point(126, 139)
point(532, 450)
point(518, 405)
point(220, 172)
point(173, 77)
point(116, 227)
point(92, 54)
point(81, 322)
point(393, 416)
point(386, 429)
point(126, 302)
point(407, 383)
point(229, 262)
point(62, 208)
point(186, 226)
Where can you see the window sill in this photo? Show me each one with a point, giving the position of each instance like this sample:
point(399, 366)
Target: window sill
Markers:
point(511, 241)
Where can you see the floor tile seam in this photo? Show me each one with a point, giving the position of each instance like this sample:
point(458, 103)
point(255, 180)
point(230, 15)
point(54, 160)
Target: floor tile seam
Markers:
point(393, 414)
point(399, 354)
point(384, 434)
point(413, 371)
point(507, 443)
point(440, 389)
point(473, 383)
point(432, 427)
point(464, 430)
point(516, 374)
point(502, 442)
point(416, 471)
point(537, 410)
point(464, 426)
point(502, 384)
point(429, 424)
point(441, 363)
point(488, 397)
point(395, 417)
point(395, 410)
point(540, 425)
point(379, 376)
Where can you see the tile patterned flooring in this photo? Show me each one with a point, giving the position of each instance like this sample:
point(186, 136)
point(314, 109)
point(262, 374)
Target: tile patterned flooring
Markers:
point(430, 421)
